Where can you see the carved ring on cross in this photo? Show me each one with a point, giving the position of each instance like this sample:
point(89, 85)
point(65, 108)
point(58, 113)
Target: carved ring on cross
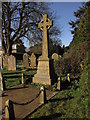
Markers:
point(45, 23)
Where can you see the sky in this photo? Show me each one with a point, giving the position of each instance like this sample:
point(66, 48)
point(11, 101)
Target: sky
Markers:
point(64, 14)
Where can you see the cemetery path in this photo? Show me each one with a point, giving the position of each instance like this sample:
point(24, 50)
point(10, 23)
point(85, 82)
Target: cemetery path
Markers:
point(22, 95)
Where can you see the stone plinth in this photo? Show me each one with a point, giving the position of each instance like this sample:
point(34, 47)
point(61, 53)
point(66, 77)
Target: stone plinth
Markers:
point(43, 72)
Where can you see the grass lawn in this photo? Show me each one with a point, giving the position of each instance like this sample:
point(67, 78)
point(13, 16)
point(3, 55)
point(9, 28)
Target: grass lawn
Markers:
point(13, 78)
point(68, 103)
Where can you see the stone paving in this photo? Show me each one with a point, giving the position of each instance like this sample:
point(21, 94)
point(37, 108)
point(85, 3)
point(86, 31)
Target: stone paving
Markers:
point(21, 95)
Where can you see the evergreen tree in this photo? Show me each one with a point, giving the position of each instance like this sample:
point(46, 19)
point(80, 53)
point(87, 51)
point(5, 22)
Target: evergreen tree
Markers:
point(81, 38)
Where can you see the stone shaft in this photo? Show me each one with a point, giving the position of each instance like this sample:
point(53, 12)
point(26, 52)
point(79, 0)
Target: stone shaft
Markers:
point(44, 25)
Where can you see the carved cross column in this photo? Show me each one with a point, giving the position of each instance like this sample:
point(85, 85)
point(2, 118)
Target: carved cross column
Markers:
point(44, 25)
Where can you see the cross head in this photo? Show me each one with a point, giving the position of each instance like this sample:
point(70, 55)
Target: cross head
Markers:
point(45, 23)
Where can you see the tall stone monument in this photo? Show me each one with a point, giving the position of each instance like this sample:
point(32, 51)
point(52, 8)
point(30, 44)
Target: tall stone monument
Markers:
point(43, 71)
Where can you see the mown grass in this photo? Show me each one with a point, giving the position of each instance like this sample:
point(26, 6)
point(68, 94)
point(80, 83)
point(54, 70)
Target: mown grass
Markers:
point(64, 105)
point(13, 78)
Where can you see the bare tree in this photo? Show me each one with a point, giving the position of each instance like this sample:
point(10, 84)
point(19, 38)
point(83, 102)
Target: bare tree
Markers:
point(20, 21)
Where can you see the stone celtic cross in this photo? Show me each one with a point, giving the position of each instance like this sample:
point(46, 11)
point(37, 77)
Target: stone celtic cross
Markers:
point(44, 25)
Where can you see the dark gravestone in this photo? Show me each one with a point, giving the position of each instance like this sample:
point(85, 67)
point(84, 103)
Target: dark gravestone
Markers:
point(33, 61)
point(25, 61)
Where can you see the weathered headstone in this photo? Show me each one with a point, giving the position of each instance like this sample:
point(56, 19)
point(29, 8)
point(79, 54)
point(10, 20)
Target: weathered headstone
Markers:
point(25, 61)
point(5, 60)
point(55, 56)
point(33, 61)
point(43, 72)
point(11, 62)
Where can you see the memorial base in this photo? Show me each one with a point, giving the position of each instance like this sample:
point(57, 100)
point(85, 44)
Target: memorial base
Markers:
point(43, 72)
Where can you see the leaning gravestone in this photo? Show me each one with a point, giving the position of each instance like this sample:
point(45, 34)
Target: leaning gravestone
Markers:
point(11, 62)
point(43, 71)
point(55, 56)
point(25, 61)
point(33, 61)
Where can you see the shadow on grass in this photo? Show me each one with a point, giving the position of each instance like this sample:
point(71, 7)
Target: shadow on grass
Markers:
point(14, 76)
point(62, 99)
point(50, 117)
point(28, 79)
point(11, 72)
point(31, 69)
point(65, 85)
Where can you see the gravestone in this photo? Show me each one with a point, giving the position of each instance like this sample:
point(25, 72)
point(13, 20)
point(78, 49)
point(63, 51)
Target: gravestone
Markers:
point(11, 62)
point(43, 71)
point(5, 60)
point(33, 61)
point(25, 60)
point(55, 56)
